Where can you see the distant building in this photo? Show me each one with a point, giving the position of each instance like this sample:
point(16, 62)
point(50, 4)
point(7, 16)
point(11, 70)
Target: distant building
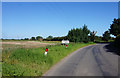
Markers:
point(65, 42)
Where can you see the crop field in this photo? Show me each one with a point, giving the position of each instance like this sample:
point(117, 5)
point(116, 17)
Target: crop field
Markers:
point(26, 44)
point(20, 60)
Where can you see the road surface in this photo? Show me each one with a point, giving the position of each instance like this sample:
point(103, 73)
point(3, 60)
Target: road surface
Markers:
point(94, 60)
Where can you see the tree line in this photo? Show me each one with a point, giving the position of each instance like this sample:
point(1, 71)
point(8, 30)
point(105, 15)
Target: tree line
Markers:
point(114, 30)
point(74, 35)
point(85, 35)
point(49, 38)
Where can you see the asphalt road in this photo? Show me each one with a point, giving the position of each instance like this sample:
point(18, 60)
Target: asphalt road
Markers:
point(94, 60)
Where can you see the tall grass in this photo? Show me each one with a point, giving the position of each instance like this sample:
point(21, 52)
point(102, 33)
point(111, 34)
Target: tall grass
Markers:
point(32, 62)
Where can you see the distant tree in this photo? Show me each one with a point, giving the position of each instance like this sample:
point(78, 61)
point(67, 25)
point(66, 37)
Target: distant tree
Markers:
point(26, 39)
point(33, 38)
point(86, 31)
point(115, 27)
point(106, 36)
point(50, 37)
point(12, 39)
point(39, 37)
point(59, 38)
point(79, 34)
point(92, 35)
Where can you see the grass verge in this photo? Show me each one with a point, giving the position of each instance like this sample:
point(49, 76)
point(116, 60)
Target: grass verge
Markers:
point(32, 62)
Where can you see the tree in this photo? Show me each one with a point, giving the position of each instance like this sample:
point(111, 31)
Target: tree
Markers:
point(59, 38)
point(79, 34)
point(26, 39)
point(39, 37)
point(33, 38)
point(115, 27)
point(117, 41)
point(86, 31)
point(92, 35)
point(106, 36)
point(50, 37)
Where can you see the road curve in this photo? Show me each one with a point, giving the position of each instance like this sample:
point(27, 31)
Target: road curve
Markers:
point(94, 60)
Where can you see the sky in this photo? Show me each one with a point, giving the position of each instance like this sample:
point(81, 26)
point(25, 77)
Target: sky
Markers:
point(60, 0)
point(31, 19)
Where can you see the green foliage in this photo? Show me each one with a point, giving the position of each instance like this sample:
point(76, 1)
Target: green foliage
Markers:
point(79, 34)
point(32, 62)
point(49, 38)
point(56, 38)
point(115, 27)
point(39, 37)
point(117, 41)
point(92, 36)
point(59, 38)
point(106, 36)
point(26, 39)
point(33, 38)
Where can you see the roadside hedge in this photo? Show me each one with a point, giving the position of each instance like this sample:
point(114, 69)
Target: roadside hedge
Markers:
point(117, 43)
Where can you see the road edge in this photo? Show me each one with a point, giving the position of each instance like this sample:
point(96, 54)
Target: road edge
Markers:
point(44, 74)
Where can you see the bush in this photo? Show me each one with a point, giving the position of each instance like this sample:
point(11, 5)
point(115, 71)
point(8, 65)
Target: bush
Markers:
point(117, 41)
point(106, 36)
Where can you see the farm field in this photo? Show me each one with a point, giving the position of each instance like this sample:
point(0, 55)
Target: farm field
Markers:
point(21, 60)
point(26, 44)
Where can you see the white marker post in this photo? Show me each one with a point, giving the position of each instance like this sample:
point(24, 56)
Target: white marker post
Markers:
point(46, 51)
point(66, 45)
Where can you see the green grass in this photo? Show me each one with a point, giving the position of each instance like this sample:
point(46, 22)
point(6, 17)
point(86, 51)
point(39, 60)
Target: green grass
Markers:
point(32, 62)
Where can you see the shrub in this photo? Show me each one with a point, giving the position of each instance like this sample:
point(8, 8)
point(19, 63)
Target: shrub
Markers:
point(117, 43)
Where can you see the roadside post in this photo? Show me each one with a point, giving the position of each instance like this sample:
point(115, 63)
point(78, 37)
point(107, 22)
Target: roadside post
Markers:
point(66, 45)
point(46, 50)
point(65, 42)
